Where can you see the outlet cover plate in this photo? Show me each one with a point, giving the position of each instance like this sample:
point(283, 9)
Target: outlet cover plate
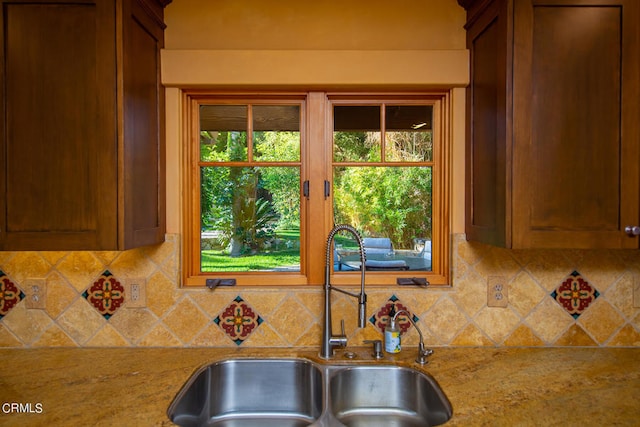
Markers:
point(497, 293)
point(36, 293)
point(135, 292)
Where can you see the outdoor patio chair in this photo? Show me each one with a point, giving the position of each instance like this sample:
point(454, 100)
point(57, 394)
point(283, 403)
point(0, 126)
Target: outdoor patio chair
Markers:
point(377, 245)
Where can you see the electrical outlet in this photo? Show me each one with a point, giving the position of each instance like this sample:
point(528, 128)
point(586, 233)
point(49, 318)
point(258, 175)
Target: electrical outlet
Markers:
point(36, 293)
point(497, 293)
point(135, 293)
point(636, 290)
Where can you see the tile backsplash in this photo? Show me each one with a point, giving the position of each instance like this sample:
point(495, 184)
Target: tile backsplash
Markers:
point(555, 298)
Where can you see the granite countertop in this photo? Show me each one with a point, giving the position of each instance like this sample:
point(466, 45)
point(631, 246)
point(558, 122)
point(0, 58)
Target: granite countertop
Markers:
point(486, 386)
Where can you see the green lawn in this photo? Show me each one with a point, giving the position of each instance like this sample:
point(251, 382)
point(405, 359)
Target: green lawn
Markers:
point(286, 256)
point(218, 261)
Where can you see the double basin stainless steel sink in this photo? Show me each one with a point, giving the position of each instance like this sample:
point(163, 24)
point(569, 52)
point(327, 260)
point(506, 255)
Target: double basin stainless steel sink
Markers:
point(298, 392)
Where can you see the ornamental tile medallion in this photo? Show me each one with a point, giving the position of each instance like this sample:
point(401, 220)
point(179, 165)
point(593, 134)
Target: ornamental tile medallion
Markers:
point(105, 294)
point(575, 294)
point(381, 317)
point(10, 294)
point(238, 320)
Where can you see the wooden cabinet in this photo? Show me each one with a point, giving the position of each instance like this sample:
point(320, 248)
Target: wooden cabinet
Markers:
point(81, 151)
point(553, 140)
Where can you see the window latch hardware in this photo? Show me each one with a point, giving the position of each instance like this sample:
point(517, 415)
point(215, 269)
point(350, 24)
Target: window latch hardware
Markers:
point(214, 283)
point(413, 281)
point(305, 189)
point(327, 189)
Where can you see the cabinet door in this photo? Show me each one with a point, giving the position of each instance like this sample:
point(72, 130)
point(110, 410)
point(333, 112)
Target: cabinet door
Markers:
point(143, 210)
point(57, 187)
point(576, 134)
point(488, 155)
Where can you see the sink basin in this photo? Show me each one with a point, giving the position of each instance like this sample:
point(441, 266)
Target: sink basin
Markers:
point(298, 392)
point(251, 392)
point(387, 396)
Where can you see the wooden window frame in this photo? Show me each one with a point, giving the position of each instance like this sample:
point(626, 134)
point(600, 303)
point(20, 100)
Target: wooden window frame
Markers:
point(316, 166)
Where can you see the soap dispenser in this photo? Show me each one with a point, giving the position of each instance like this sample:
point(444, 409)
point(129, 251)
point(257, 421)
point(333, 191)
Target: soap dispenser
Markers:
point(392, 333)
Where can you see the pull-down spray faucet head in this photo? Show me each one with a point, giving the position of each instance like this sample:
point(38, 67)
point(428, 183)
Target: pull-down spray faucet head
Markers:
point(329, 340)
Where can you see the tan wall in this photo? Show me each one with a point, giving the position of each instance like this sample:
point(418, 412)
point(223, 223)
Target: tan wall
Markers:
point(357, 44)
point(315, 24)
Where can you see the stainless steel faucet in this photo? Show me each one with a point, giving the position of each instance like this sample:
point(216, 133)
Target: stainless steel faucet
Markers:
point(422, 353)
point(329, 340)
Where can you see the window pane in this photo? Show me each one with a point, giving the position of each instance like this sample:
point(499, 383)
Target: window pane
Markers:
point(408, 133)
point(276, 133)
point(250, 219)
point(223, 133)
point(356, 134)
point(391, 207)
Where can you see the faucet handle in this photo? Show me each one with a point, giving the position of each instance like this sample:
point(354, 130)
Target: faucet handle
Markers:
point(423, 354)
point(339, 340)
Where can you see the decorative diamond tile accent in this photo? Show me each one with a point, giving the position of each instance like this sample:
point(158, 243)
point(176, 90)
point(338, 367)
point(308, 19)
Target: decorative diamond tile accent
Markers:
point(10, 294)
point(105, 295)
point(575, 294)
point(381, 317)
point(238, 320)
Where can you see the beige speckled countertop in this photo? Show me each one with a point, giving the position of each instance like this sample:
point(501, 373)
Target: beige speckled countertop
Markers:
point(486, 386)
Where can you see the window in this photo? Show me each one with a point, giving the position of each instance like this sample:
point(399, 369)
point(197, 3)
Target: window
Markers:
point(267, 176)
point(382, 183)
